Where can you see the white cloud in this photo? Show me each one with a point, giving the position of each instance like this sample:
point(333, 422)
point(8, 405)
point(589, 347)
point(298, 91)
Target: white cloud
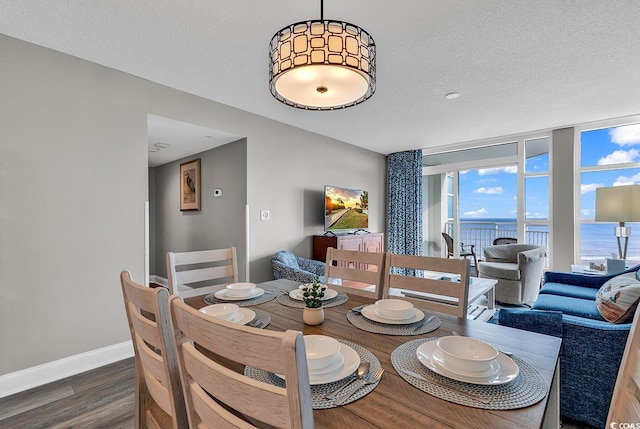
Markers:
point(489, 191)
point(589, 187)
point(620, 157)
point(476, 213)
point(623, 180)
point(512, 169)
point(629, 134)
point(586, 213)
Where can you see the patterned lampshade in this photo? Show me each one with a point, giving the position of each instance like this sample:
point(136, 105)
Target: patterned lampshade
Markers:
point(322, 65)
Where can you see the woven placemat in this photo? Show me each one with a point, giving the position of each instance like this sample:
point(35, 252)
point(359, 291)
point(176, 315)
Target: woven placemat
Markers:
point(318, 391)
point(341, 298)
point(527, 389)
point(261, 320)
point(417, 328)
point(265, 297)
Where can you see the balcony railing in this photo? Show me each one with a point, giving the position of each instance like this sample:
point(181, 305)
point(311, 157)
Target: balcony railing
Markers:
point(482, 233)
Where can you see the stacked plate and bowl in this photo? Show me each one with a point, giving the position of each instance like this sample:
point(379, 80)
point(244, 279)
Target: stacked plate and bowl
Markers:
point(392, 312)
point(468, 360)
point(232, 312)
point(328, 360)
point(239, 292)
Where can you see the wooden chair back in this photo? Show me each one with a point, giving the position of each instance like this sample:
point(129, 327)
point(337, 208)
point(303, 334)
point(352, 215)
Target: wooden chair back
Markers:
point(212, 354)
point(428, 283)
point(205, 267)
point(625, 403)
point(505, 240)
point(360, 273)
point(159, 400)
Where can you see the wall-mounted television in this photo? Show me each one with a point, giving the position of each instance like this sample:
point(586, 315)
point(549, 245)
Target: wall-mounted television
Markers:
point(345, 209)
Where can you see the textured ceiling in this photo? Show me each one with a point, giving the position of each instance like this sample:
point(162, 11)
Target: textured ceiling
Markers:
point(519, 65)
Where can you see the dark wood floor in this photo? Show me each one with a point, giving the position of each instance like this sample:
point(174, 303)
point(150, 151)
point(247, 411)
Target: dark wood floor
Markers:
point(101, 398)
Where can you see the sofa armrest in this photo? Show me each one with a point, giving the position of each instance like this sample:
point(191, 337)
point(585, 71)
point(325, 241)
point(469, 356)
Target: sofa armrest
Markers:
point(311, 265)
point(542, 322)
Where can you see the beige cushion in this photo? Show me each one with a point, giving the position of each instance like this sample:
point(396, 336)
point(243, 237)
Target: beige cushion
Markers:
point(500, 270)
point(618, 298)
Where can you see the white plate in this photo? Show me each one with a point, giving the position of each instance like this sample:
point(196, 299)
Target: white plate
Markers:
point(370, 313)
point(247, 316)
point(351, 362)
point(242, 316)
point(222, 294)
point(508, 370)
point(336, 362)
point(328, 294)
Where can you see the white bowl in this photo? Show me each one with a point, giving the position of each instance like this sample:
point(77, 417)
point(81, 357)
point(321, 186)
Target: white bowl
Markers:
point(466, 354)
point(320, 351)
point(221, 311)
point(396, 309)
point(240, 289)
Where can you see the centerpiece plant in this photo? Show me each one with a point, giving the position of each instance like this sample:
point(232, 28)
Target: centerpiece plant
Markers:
point(312, 294)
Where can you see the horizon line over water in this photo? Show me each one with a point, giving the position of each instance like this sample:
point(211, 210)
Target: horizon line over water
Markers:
point(597, 239)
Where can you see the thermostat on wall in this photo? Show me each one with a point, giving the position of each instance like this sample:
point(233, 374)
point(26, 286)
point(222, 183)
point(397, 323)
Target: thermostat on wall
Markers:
point(217, 192)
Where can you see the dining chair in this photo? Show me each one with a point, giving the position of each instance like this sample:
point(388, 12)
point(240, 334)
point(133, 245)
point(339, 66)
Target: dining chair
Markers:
point(625, 403)
point(212, 354)
point(428, 283)
point(355, 272)
point(159, 401)
point(205, 267)
point(466, 250)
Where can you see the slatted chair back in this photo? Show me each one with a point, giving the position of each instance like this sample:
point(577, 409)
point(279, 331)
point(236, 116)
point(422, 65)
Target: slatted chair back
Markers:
point(625, 403)
point(187, 270)
point(159, 400)
point(359, 273)
point(212, 353)
point(428, 283)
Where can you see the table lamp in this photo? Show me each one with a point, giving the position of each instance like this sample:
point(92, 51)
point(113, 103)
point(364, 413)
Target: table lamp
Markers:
point(619, 204)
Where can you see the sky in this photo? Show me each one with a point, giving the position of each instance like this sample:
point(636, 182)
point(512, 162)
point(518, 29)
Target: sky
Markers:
point(491, 193)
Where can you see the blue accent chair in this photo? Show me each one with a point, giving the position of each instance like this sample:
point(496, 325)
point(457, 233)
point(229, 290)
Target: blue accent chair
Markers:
point(591, 349)
point(286, 265)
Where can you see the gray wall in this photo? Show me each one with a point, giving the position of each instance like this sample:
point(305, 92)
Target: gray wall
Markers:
point(73, 182)
point(563, 204)
point(221, 221)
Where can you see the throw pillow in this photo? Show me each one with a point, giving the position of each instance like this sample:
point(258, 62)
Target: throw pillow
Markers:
point(618, 298)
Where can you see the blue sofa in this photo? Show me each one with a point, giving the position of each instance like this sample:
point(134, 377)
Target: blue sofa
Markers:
point(592, 348)
point(286, 265)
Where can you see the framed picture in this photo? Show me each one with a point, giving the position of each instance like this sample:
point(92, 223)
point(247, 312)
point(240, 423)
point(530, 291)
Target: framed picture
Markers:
point(190, 185)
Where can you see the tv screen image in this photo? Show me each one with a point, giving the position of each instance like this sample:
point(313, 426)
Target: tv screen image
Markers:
point(345, 209)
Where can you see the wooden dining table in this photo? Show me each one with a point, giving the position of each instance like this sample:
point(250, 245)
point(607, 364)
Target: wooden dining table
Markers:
point(395, 403)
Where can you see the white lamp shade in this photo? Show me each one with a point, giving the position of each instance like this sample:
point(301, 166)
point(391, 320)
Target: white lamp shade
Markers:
point(618, 204)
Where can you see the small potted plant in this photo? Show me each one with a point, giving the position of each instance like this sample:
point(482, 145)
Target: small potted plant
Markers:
point(312, 294)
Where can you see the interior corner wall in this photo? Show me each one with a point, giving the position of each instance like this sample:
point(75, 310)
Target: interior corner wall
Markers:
point(563, 204)
point(219, 224)
point(287, 174)
point(74, 181)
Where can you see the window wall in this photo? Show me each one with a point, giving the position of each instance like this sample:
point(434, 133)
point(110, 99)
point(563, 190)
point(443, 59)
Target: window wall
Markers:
point(609, 156)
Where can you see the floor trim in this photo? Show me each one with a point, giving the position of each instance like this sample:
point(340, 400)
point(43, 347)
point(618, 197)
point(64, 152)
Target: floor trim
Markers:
point(28, 378)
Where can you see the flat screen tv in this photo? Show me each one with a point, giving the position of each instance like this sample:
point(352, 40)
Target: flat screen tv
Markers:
point(345, 209)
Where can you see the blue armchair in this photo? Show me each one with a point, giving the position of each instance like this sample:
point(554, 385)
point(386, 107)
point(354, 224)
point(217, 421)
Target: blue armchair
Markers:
point(286, 265)
point(592, 348)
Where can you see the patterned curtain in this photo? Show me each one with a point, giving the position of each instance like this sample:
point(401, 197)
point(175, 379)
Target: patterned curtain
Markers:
point(404, 171)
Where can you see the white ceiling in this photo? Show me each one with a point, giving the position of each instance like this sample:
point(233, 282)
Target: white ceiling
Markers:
point(519, 66)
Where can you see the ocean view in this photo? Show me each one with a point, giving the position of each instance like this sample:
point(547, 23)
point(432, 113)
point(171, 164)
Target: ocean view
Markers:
point(597, 239)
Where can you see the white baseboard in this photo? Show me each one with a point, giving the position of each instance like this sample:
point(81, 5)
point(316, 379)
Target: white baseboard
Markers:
point(159, 280)
point(42, 374)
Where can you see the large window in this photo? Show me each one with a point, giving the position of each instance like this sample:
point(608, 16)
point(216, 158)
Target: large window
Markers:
point(608, 157)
